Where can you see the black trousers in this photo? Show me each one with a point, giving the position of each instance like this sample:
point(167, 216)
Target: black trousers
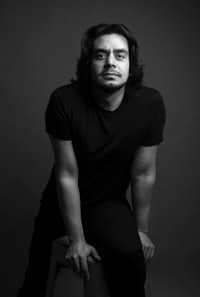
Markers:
point(110, 227)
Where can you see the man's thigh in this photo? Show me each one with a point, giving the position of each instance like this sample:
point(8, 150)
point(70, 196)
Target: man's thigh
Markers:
point(110, 226)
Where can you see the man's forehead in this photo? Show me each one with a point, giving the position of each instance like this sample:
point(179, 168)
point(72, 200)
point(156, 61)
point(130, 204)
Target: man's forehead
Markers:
point(114, 40)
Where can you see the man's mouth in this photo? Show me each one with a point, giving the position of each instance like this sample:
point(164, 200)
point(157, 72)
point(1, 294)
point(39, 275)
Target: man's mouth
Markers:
point(108, 73)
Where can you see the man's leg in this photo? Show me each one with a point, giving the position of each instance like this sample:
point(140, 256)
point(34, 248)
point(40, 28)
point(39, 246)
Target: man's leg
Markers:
point(110, 227)
point(40, 253)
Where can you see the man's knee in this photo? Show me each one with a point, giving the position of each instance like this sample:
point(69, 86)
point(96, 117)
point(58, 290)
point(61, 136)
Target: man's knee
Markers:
point(131, 260)
point(126, 251)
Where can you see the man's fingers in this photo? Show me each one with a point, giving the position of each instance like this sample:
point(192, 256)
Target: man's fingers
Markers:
point(76, 265)
point(95, 255)
point(152, 252)
point(149, 252)
point(147, 246)
point(68, 261)
point(91, 260)
point(79, 256)
point(84, 268)
point(145, 251)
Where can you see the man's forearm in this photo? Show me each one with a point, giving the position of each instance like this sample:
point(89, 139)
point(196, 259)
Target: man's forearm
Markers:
point(141, 189)
point(69, 200)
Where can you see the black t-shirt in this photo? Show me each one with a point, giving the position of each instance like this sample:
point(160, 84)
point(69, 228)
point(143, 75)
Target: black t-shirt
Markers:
point(104, 142)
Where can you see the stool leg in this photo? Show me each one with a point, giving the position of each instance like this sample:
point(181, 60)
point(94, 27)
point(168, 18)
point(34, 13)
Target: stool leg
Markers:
point(57, 258)
point(59, 248)
point(53, 271)
point(147, 286)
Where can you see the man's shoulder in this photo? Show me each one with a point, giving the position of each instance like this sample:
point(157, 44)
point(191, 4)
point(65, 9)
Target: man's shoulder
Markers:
point(148, 92)
point(151, 92)
point(67, 89)
point(68, 95)
point(147, 95)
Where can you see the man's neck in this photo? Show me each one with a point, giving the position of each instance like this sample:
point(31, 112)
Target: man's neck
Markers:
point(108, 100)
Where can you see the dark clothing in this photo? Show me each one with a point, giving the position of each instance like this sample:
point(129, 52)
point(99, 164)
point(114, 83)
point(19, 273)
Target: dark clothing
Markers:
point(104, 143)
point(110, 227)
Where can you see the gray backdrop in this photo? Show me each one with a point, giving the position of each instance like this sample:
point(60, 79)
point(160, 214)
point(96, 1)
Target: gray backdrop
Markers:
point(40, 42)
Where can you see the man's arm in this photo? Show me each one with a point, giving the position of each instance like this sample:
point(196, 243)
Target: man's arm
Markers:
point(66, 169)
point(143, 176)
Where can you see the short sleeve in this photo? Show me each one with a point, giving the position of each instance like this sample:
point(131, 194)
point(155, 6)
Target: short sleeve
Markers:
point(156, 123)
point(57, 122)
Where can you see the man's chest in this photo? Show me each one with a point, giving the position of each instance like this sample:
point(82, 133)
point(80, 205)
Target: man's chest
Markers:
point(97, 134)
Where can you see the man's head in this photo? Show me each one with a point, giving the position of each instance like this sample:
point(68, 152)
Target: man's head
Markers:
point(110, 63)
point(109, 58)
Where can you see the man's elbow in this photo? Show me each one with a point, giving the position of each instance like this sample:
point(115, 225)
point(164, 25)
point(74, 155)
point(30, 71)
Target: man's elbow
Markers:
point(151, 179)
point(65, 176)
point(145, 177)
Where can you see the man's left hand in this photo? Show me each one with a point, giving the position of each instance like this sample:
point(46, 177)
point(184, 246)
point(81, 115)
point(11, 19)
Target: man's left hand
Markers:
point(147, 246)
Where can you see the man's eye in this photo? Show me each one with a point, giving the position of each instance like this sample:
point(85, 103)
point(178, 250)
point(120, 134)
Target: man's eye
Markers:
point(100, 56)
point(121, 56)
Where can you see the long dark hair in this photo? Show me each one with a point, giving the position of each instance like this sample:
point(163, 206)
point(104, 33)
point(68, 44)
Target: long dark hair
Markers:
point(83, 66)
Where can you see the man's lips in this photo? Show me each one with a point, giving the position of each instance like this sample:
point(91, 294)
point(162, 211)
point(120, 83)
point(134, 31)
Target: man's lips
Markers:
point(111, 74)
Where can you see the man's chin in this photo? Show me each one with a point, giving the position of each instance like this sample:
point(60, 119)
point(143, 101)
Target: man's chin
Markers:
point(111, 87)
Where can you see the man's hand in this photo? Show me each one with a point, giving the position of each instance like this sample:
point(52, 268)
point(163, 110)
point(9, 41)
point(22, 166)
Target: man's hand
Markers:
point(147, 246)
point(79, 253)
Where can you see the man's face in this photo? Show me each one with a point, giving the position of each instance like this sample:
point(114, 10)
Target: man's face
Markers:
point(110, 62)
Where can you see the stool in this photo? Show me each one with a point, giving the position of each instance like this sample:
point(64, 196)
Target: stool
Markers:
point(77, 287)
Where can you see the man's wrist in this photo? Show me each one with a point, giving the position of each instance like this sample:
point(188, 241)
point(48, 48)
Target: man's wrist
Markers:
point(74, 239)
point(143, 231)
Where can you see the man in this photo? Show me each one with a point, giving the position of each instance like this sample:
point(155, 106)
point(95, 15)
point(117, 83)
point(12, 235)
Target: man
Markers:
point(104, 128)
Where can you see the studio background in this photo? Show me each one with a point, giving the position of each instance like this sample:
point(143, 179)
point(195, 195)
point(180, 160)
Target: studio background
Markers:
point(40, 43)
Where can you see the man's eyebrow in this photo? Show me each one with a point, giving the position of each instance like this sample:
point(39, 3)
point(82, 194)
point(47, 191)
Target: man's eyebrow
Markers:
point(96, 50)
point(103, 50)
point(122, 50)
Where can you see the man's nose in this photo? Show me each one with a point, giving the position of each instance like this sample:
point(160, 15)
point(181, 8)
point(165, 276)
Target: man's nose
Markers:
point(110, 61)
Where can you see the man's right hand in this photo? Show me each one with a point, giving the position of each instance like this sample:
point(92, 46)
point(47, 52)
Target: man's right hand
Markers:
point(79, 253)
